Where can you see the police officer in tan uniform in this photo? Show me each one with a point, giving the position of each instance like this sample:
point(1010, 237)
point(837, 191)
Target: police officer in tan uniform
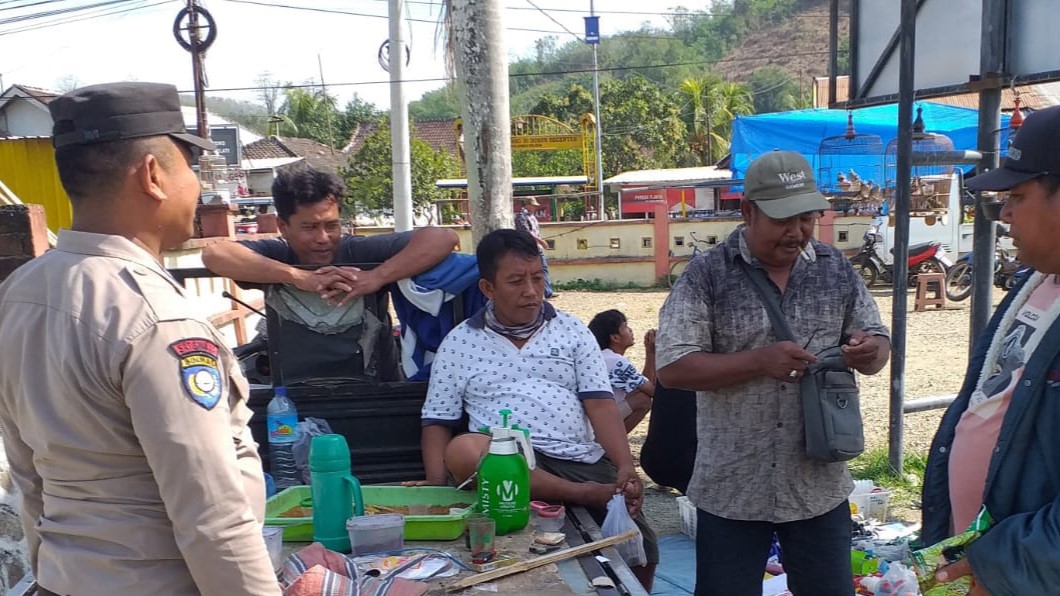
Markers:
point(124, 415)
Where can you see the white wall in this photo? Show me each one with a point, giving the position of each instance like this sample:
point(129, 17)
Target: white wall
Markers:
point(25, 119)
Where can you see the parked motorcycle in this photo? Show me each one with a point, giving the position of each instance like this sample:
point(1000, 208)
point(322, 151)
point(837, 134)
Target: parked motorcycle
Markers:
point(1007, 271)
point(928, 257)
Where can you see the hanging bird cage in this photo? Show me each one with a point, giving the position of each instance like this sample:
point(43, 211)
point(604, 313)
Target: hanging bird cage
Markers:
point(930, 184)
point(849, 168)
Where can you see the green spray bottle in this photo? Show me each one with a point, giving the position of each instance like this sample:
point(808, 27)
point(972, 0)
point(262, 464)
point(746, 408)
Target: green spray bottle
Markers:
point(504, 478)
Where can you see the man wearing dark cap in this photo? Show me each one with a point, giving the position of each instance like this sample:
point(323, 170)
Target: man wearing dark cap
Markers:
point(123, 413)
point(752, 476)
point(997, 447)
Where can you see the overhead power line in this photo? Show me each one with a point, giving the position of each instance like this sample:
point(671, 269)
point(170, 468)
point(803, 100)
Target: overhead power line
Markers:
point(553, 19)
point(79, 17)
point(522, 75)
point(667, 13)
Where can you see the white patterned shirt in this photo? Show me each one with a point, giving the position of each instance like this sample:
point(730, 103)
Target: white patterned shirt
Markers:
point(543, 384)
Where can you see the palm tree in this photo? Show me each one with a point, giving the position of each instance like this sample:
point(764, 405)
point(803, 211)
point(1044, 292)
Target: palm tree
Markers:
point(715, 104)
point(479, 62)
point(696, 91)
point(728, 100)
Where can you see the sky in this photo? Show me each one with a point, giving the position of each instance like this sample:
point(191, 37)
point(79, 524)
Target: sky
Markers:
point(133, 40)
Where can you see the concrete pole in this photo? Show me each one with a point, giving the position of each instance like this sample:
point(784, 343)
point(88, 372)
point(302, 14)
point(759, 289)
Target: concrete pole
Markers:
point(599, 130)
point(399, 122)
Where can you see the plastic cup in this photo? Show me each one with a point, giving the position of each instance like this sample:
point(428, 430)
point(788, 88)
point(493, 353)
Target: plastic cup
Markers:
point(274, 544)
point(481, 532)
point(376, 533)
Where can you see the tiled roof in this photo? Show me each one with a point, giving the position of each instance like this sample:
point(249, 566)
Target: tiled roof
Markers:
point(267, 148)
point(318, 155)
point(441, 135)
point(45, 96)
point(1031, 97)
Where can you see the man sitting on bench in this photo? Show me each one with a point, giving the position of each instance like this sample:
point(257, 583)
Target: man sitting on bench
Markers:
point(521, 354)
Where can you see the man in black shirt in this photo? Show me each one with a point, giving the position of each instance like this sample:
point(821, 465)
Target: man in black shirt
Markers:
point(307, 205)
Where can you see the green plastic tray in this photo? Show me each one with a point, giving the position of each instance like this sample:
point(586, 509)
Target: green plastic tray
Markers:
point(417, 527)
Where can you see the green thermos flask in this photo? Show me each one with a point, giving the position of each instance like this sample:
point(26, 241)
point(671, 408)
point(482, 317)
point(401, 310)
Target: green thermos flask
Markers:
point(504, 486)
point(336, 492)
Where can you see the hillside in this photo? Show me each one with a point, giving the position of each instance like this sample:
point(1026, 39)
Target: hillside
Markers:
point(799, 46)
point(731, 39)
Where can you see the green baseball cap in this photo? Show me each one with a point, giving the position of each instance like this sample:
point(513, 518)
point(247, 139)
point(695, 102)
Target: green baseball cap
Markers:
point(781, 183)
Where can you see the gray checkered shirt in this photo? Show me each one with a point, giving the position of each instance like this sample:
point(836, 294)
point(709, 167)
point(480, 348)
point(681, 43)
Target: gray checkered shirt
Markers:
point(751, 462)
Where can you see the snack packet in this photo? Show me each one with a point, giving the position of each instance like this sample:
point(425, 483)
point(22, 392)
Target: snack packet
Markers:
point(927, 561)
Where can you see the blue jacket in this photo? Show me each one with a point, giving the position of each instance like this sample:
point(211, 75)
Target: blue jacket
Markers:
point(1020, 555)
point(422, 332)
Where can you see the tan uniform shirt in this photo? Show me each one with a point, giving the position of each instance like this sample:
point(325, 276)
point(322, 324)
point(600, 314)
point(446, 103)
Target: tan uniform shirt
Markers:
point(125, 423)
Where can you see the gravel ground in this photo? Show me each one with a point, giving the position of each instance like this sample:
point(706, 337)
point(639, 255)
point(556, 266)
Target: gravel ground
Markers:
point(936, 356)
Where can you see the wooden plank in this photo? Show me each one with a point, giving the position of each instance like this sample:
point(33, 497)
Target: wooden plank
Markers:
point(589, 565)
point(536, 562)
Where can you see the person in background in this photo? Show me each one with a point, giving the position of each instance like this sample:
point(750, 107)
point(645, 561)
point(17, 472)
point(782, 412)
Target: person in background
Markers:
point(521, 354)
point(996, 447)
point(633, 389)
point(752, 475)
point(124, 414)
point(525, 221)
point(307, 206)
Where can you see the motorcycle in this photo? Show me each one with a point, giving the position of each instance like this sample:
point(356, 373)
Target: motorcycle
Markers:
point(1008, 271)
point(928, 257)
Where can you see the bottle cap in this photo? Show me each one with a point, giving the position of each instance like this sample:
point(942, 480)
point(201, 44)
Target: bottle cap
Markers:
point(279, 390)
point(329, 453)
point(504, 446)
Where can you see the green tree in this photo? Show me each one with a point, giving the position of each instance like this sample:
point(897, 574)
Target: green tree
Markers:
point(775, 90)
point(369, 175)
point(440, 104)
point(311, 114)
point(715, 104)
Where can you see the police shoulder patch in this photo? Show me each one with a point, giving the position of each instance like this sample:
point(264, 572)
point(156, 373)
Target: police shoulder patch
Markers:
point(198, 360)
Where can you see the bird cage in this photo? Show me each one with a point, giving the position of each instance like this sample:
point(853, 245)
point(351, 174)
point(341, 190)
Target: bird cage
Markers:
point(850, 168)
point(930, 184)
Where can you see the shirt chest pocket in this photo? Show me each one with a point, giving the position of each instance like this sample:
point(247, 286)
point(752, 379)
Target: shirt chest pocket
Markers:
point(553, 365)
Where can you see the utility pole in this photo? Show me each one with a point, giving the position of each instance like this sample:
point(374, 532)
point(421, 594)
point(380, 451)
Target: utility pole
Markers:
point(197, 70)
point(324, 91)
point(594, 42)
point(399, 121)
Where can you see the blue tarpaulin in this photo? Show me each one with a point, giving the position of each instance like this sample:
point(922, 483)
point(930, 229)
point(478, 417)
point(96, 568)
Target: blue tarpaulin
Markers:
point(803, 130)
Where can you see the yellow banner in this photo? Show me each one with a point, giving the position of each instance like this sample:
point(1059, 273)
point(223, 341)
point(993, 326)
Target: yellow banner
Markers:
point(538, 142)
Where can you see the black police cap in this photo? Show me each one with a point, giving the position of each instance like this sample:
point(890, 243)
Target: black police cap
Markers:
point(119, 111)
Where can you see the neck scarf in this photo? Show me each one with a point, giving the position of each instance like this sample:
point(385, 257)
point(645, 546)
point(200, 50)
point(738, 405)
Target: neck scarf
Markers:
point(518, 332)
point(990, 363)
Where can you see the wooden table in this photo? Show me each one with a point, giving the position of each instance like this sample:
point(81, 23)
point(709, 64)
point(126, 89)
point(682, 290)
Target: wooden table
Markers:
point(573, 576)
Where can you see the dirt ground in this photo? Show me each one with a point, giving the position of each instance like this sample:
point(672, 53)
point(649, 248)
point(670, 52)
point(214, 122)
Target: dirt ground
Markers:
point(936, 356)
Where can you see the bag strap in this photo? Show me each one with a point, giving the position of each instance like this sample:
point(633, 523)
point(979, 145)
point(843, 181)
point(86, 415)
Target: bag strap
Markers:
point(769, 299)
point(807, 384)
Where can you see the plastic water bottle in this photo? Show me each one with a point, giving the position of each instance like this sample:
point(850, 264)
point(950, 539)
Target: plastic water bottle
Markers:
point(282, 424)
point(504, 486)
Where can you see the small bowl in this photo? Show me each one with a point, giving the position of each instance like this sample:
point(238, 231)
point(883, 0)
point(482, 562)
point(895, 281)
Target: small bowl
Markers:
point(547, 518)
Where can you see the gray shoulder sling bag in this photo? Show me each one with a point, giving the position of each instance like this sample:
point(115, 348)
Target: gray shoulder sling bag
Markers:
point(829, 390)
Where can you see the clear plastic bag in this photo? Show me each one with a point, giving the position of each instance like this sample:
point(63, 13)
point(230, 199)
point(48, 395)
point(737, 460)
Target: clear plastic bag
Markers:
point(898, 581)
point(307, 429)
point(619, 522)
